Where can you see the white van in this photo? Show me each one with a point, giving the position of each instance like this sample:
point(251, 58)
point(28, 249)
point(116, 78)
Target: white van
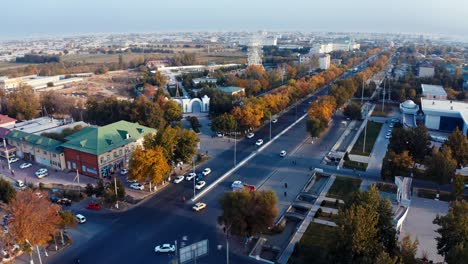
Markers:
point(81, 219)
point(318, 170)
point(20, 183)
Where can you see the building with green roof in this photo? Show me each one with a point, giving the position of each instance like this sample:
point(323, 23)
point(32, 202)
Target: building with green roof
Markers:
point(43, 150)
point(100, 151)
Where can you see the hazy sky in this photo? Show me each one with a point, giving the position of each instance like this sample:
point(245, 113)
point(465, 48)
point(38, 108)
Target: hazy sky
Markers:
point(22, 18)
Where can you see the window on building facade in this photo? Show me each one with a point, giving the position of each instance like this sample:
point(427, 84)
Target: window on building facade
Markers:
point(45, 152)
point(102, 159)
point(120, 152)
point(54, 155)
point(108, 157)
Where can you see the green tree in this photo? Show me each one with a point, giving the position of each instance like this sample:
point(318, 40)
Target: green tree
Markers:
point(441, 166)
point(186, 147)
point(458, 187)
point(68, 219)
point(314, 127)
point(172, 111)
point(7, 192)
point(408, 250)
point(353, 111)
point(395, 164)
point(224, 123)
point(458, 143)
point(159, 79)
point(109, 194)
point(453, 233)
point(247, 213)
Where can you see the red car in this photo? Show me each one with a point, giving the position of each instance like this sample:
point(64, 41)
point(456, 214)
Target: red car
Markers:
point(94, 206)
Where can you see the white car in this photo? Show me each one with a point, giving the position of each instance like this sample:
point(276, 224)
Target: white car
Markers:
point(250, 135)
point(137, 186)
point(80, 218)
point(237, 185)
point(25, 165)
point(190, 176)
point(42, 175)
point(179, 179)
point(199, 206)
point(259, 142)
point(200, 185)
point(41, 171)
point(164, 248)
point(206, 171)
point(14, 159)
point(124, 171)
point(283, 153)
point(274, 121)
point(219, 134)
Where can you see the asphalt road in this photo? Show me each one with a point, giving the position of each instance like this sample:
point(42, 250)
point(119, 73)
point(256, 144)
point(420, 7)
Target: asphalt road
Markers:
point(130, 237)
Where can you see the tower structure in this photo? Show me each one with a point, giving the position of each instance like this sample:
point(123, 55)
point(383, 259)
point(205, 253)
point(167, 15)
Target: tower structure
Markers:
point(255, 49)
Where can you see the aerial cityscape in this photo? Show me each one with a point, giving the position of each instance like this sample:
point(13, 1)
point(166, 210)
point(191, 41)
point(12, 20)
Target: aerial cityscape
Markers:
point(237, 132)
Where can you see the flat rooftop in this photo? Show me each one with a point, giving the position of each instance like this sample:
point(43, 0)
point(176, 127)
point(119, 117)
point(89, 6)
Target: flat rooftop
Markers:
point(230, 89)
point(437, 90)
point(38, 125)
point(446, 106)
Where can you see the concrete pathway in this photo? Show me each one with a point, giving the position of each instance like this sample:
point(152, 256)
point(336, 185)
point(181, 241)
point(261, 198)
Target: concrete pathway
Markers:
point(324, 222)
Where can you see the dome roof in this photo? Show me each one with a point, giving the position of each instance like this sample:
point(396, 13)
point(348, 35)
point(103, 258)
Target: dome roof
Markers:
point(409, 104)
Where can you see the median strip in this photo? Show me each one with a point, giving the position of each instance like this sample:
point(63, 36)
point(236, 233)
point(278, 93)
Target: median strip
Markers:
point(240, 164)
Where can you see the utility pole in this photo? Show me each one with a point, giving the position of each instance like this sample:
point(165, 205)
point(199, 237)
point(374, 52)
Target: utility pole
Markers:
point(383, 101)
point(7, 154)
point(39, 254)
point(116, 196)
point(365, 132)
point(235, 146)
point(176, 255)
point(362, 94)
point(193, 165)
point(270, 126)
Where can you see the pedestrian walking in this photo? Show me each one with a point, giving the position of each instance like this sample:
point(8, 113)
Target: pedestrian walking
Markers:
point(286, 185)
point(285, 193)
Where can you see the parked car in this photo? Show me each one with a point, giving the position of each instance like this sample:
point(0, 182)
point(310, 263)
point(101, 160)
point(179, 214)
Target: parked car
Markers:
point(200, 185)
point(123, 171)
point(250, 135)
point(199, 177)
point(94, 206)
point(41, 171)
point(137, 186)
point(131, 180)
point(64, 201)
point(42, 175)
point(164, 248)
point(14, 159)
point(179, 179)
point(219, 134)
point(25, 165)
point(237, 185)
point(274, 121)
point(20, 184)
point(259, 142)
point(283, 153)
point(80, 218)
point(206, 171)
point(199, 206)
point(190, 176)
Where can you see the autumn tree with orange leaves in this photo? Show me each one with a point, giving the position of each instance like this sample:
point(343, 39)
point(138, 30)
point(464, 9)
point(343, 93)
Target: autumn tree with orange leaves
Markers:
point(34, 219)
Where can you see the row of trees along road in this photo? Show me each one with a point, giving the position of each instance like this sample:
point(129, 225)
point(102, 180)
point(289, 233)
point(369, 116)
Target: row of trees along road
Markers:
point(321, 111)
point(168, 146)
point(34, 221)
point(411, 146)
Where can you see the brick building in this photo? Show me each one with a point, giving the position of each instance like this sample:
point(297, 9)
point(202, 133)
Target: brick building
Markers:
point(99, 151)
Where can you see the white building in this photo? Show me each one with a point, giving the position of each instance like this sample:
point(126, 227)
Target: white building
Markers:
point(329, 47)
point(197, 81)
point(445, 115)
point(433, 92)
point(425, 71)
point(324, 61)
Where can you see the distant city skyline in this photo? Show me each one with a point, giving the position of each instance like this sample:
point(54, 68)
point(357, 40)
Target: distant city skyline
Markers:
point(30, 18)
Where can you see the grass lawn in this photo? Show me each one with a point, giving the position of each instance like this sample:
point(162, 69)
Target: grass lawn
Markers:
point(313, 245)
point(373, 130)
point(351, 164)
point(327, 216)
point(343, 187)
point(380, 113)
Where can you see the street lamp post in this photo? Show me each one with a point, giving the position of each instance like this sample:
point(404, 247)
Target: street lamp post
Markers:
point(270, 126)
point(193, 166)
point(365, 132)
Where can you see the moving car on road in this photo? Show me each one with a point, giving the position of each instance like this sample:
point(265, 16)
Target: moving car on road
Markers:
point(137, 186)
point(283, 153)
point(259, 142)
point(25, 165)
point(250, 135)
point(41, 171)
point(164, 248)
point(199, 206)
point(200, 185)
point(274, 121)
point(94, 206)
point(206, 171)
point(124, 171)
point(237, 185)
point(131, 180)
point(179, 179)
point(190, 176)
point(64, 201)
